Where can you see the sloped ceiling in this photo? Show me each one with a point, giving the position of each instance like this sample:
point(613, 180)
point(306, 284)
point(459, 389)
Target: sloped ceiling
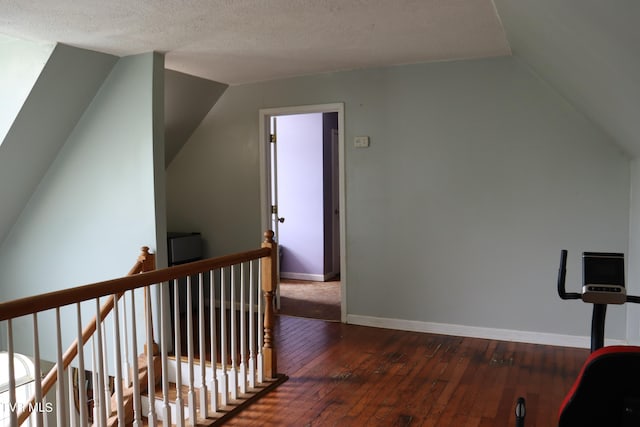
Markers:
point(187, 100)
point(22, 61)
point(42, 126)
point(589, 51)
point(243, 41)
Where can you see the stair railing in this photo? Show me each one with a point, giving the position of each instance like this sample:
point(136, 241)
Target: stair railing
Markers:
point(144, 263)
point(234, 363)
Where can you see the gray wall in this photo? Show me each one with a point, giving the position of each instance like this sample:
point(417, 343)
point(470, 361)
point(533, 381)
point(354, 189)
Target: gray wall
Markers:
point(96, 205)
point(477, 175)
point(59, 97)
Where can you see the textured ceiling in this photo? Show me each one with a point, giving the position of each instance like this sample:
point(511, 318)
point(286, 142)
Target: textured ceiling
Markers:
point(240, 41)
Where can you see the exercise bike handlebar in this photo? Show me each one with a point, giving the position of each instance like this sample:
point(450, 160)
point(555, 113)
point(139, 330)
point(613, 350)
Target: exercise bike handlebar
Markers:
point(562, 273)
point(597, 323)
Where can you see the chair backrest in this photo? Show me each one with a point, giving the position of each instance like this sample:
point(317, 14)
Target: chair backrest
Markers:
point(607, 391)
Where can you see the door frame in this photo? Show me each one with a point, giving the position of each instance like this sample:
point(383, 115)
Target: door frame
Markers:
point(264, 118)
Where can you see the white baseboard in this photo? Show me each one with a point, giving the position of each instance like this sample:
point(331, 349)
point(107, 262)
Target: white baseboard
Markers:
point(306, 276)
point(477, 332)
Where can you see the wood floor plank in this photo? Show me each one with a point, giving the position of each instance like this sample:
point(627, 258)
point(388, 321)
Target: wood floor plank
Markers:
point(347, 375)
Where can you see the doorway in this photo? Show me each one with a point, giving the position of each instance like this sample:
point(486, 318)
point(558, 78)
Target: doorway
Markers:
point(302, 191)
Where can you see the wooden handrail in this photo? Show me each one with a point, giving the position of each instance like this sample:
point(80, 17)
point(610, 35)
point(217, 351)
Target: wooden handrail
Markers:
point(145, 262)
point(38, 303)
point(143, 274)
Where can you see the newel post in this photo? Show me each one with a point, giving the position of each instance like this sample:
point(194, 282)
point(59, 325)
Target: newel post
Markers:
point(269, 283)
point(147, 262)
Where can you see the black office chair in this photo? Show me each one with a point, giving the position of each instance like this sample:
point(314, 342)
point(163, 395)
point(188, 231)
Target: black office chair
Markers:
point(607, 391)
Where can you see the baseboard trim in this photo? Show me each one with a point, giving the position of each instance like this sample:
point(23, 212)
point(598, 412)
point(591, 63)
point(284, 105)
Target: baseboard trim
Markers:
point(306, 276)
point(477, 332)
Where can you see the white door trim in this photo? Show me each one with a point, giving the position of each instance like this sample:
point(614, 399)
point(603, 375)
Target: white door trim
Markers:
point(264, 116)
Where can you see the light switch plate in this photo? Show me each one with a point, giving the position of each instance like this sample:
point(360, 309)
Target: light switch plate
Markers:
point(361, 141)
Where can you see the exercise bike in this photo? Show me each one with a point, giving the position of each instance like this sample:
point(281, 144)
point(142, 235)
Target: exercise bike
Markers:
point(607, 390)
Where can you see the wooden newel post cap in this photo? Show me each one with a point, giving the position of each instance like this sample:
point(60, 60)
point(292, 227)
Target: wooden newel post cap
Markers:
point(144, 254)
point(268, 236)
point(147, 260)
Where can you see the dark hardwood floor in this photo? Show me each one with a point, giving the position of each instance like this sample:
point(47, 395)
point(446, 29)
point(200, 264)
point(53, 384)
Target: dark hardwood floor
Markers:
point(346, 375)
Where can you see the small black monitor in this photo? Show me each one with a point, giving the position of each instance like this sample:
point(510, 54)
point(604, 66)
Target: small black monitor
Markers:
point(603, 278)
point(603, 268)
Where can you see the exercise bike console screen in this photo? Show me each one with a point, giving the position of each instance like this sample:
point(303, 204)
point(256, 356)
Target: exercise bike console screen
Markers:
point(603, 278)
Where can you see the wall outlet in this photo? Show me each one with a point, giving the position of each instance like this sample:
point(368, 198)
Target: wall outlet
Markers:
point(361, 141)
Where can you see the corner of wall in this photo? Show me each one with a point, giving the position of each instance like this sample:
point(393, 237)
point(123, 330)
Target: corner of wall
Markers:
point(159, 153)
point(633, 268)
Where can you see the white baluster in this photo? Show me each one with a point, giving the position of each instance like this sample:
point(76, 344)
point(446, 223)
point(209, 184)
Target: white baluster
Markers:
point(137, 406)
point(252, 325)
point(38, 375)
point(151, 377)
point(178, 352)
point(73, 421)
point(99, 369)
point(213, 385)
point(260, 341)
point(191, 395)
point(166, 407)
point(13, 417)
point(233, 372)
point(95, 380)
point(45, 405)
point(106, 381)
point(60, 399)
point(82, 395)
point(204, 394)
point(243, 333)
point(223, 380)
point(125, 355)
point(117, 358)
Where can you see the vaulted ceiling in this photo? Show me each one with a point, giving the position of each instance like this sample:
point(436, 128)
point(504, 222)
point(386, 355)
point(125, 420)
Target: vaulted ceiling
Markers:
point(243, 41)
point(588, 50)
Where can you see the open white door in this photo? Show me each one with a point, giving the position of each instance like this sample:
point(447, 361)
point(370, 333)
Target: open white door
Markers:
point(272, 217)
point(275, 219)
